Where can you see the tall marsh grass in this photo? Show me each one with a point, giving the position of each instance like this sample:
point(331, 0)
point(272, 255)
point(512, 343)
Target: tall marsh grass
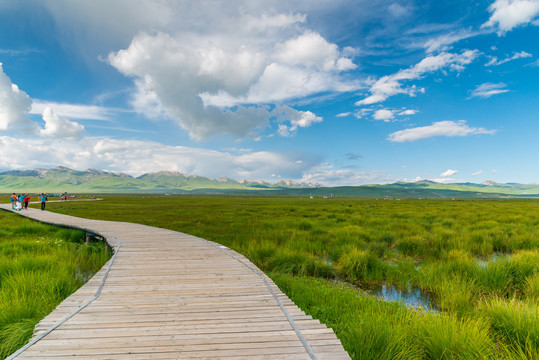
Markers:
point(514, 321)
point(38, 270)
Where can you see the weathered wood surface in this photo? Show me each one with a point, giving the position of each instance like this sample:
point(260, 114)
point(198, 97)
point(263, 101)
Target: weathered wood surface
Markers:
point(171, 295)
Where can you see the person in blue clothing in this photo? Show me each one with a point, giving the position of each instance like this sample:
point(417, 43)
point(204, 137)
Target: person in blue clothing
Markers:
point(43, 200)
point(13, 199)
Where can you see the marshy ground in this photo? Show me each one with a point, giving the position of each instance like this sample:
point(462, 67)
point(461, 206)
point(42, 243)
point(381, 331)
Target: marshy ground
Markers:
point(40, 265)
point(476, 260)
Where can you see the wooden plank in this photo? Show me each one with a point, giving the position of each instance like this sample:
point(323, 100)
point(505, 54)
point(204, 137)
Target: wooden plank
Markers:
point(174, 296)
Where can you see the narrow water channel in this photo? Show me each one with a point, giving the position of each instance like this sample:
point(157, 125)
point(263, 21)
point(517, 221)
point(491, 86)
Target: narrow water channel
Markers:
point(411, 298)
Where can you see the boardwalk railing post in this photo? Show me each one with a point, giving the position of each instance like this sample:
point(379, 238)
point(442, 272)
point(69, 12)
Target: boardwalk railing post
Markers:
point(87, 238)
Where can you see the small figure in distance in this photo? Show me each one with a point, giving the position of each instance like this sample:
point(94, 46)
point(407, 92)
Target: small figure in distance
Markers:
point(43, 200)
point(18, 206)
point(26, 201)
point(13, 199)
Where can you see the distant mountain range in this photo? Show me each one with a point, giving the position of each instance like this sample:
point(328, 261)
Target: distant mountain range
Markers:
point(92, 181)
point(62, 179)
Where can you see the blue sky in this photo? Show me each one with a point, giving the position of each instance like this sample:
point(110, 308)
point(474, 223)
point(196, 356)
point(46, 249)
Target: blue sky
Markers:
point(341, 92)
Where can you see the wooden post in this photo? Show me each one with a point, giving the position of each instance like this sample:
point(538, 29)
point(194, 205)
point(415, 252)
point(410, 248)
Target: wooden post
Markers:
point(87, 238)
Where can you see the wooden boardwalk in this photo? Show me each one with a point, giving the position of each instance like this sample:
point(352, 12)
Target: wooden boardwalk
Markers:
point(169, 295)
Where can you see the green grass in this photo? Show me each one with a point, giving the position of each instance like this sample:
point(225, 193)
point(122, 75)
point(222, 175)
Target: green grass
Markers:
point(373, 329)
point(474, 257)
point(40, 266)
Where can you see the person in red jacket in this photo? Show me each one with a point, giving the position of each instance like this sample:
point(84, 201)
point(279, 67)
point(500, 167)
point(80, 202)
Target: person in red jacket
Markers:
point(26, 201)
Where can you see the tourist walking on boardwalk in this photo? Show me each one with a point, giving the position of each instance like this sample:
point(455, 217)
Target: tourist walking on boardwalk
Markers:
point(26, 201)
point(13, 200)
point(18, 204)
point(43, 200)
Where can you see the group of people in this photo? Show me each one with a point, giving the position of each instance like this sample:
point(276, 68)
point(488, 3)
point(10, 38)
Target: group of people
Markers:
point(20, 202)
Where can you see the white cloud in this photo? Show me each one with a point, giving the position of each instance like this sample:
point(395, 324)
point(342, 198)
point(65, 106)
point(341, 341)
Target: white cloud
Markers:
point(344, 114)
point(383, 114)
point(487, 90)
point(519, 55)
point(284, 130)
point(479, 172)
point(443, 42)
point(296, 118)
point(14, 104)
point(311, 49)
point(408, 112)
point(376, 98)
point(446, 180)
point(509, 14)
point(347, 177)
point(60, 127)
point(398, 10)
point(74, 111)
point(137, 157)
point(448, 173)
point(267, 21)
point(440, 128)
point(391, 85)
point(222, 79)
point(363, 112)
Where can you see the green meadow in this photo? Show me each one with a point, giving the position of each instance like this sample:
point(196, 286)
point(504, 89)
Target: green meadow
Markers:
point(40, 265)
point(477, 260)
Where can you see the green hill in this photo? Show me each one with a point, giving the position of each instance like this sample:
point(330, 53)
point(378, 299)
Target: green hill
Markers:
point(92, 181)
point(62, 179)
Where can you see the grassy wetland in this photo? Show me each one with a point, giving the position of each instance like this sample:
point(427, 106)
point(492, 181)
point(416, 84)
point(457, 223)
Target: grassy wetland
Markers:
point(40, 265)
point(476, 260)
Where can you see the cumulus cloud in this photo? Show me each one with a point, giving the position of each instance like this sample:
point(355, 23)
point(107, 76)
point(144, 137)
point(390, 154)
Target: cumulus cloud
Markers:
point(448, 173)
point(519, 55)
point(348, 177)
point(312, 50)
point(224, 81)
point(487, 90)
point(14, 104)
point(440, 128)
point(383, 114)
point(296, 118)
point(60, 127)
point(388, 115)
point(136, 157)
point(509, 14)
point(391, 85)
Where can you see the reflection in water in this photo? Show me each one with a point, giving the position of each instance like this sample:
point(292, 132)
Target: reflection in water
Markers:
point(411, 298)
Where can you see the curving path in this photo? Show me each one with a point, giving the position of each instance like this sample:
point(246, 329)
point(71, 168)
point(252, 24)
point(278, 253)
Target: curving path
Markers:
point(170, 295)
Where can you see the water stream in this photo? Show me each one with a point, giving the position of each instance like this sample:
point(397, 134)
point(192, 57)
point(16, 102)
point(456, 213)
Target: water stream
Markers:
point(412, 298)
